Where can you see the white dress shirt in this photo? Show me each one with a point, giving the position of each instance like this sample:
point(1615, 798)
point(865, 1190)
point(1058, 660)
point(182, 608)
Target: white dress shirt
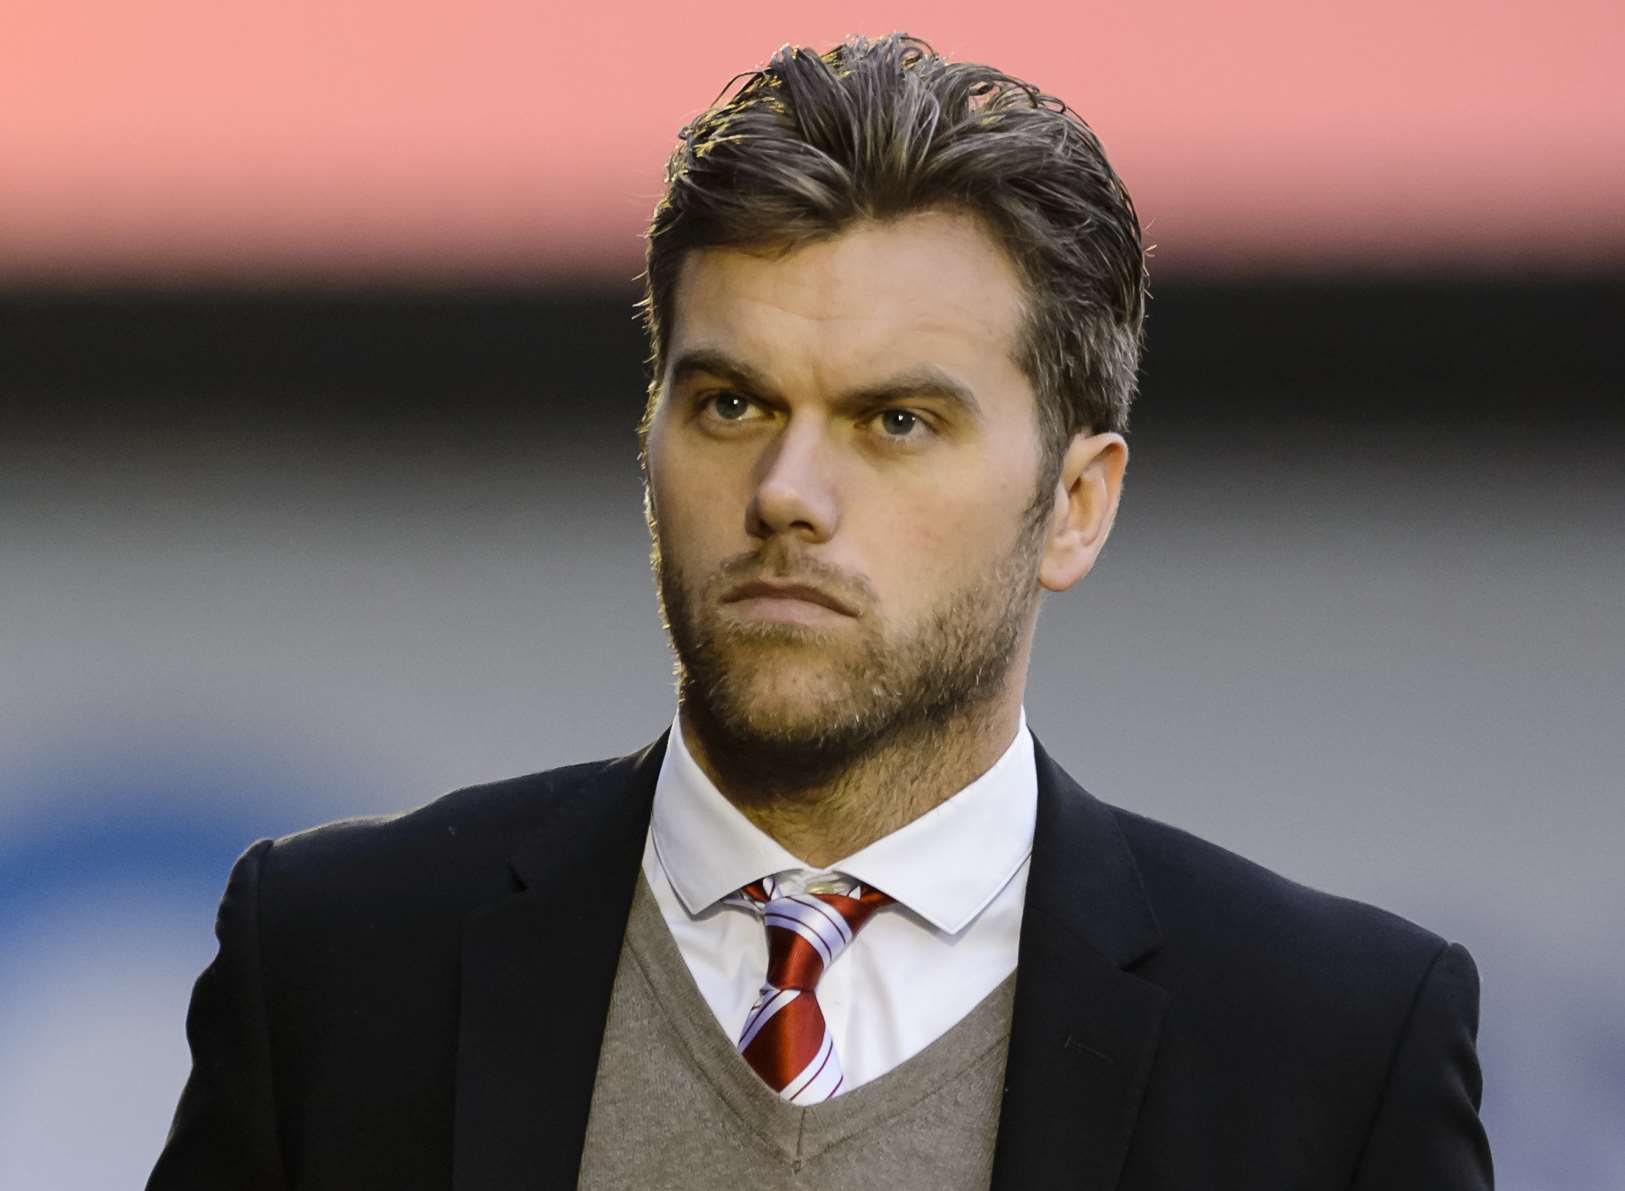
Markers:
point(958, 874)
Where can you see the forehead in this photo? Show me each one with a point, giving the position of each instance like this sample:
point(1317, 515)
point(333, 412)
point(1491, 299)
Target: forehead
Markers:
point(929, 288)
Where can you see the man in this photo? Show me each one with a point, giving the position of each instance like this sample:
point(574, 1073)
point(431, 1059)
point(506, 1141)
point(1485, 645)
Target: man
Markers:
point(846, 924)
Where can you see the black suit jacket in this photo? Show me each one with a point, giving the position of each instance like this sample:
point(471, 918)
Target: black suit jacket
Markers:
point(417, 1002)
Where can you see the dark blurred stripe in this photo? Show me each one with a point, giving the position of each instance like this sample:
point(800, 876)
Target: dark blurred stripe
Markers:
point(550, 364)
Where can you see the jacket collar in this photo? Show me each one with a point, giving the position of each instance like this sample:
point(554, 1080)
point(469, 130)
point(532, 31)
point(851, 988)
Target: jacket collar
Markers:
point(537, 972)
point(1084, 1030)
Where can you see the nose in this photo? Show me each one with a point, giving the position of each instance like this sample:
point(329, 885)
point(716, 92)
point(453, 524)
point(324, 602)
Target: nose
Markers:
point(796, 487)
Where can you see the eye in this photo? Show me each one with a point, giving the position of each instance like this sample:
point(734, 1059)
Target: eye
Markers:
point(726, 405)
point(901, 423)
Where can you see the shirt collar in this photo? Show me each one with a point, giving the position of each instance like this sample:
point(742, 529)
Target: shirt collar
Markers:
point(945, 866)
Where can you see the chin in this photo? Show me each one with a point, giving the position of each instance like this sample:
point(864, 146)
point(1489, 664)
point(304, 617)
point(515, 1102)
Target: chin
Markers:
point(765, 694)
point(777, 702)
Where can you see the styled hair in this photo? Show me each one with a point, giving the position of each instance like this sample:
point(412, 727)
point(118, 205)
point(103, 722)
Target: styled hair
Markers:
point(875, 129)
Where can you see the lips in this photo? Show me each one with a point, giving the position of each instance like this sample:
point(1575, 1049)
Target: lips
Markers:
point(768, 589)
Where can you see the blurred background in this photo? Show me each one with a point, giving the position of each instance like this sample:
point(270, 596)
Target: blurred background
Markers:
point(318, 494)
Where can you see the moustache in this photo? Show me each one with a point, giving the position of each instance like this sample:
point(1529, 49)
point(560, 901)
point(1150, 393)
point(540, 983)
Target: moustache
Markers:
point(776, 567)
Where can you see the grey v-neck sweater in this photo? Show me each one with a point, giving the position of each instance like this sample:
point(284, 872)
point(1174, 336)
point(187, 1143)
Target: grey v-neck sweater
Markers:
point(675, 1108)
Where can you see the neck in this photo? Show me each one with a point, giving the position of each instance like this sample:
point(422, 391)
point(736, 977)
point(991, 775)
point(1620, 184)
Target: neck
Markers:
point(889, 785)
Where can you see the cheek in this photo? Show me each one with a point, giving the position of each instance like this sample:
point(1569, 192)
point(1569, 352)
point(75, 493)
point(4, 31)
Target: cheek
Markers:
point(922, 550)
point(691, 505)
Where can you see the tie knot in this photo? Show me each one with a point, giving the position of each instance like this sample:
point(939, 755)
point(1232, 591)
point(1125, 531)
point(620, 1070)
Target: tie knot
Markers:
point(785, 1038)
point(807, 931)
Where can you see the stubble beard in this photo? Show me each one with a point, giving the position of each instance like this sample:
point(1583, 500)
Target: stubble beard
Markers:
point(783, 708)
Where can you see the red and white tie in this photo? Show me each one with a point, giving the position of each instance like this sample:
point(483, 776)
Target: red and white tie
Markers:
point(785, 1038)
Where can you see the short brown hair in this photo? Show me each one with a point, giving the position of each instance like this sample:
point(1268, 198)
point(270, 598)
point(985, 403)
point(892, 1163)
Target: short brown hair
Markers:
point(874, 129)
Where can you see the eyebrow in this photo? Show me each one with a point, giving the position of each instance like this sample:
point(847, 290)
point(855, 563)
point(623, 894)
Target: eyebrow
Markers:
point(919, 382)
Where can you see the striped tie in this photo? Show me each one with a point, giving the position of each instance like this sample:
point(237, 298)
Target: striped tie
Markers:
point(785, 1038)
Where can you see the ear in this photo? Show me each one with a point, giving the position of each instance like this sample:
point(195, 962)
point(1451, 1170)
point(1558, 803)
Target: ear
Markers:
point(1086, 495)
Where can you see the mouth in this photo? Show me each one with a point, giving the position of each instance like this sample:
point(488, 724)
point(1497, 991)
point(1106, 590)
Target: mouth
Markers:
point(768, 594)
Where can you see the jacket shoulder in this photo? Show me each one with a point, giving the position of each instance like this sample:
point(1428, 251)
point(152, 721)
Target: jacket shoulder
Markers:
point(451, 852)
point(1354, 1024)
point(485, 808)
point(1220, 911)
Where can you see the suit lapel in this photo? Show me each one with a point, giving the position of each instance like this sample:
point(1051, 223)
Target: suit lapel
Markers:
point(537, 972)
point(1084, 1030)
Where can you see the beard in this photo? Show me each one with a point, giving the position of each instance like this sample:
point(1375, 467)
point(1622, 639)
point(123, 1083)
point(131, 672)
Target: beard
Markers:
point(787, 707)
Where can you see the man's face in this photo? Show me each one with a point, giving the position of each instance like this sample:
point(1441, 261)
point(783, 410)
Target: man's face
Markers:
point(845, 426)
